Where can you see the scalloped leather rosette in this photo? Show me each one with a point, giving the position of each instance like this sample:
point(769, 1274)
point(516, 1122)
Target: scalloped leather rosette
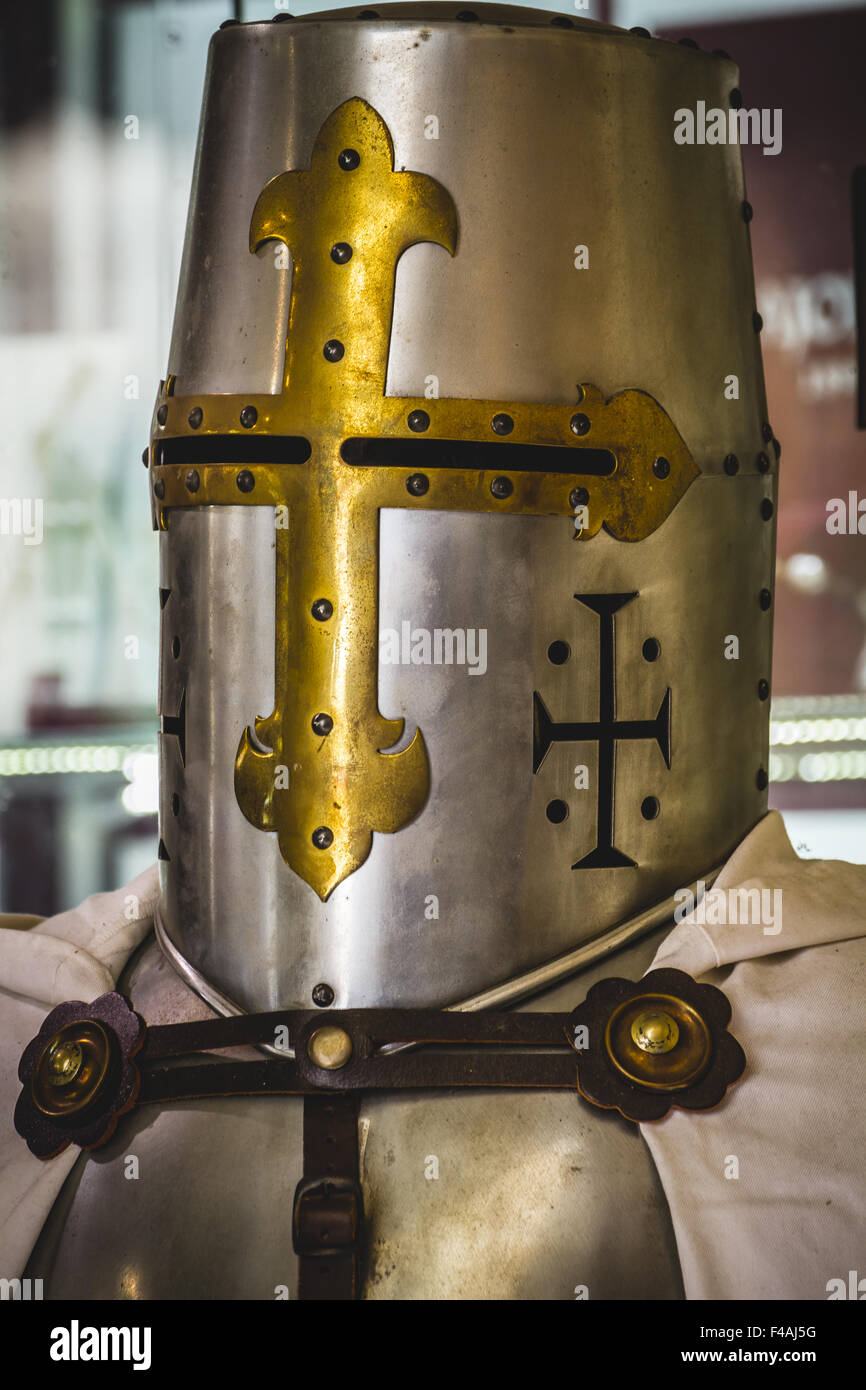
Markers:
point(78, 1075)
point(648, 1046)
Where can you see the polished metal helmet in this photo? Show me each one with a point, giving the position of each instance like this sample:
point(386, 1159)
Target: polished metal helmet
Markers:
point(465, 489)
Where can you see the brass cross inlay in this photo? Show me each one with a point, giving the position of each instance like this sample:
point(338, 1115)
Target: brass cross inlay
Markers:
point(325, 786)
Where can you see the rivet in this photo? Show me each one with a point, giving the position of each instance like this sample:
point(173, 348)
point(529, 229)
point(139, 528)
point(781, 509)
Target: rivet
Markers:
point(766, 508)
point(661, 467)
point(501, 488)
point(248, 417)
point(279, 18)
point(766, 432)
point(763, 463)
point(348, 159)
point(245, 480)
point(578, 497)
point(778, 449)
point(649, 807)
point(159, 489)
point(556, 811)
point(655, 1031)
point(418, 484)
point(192, 481)
point(323, 996)
point(330, 1048)
point(367, 14)
point(333, 350)
point(640, 32)
point(763, 689)
point(757, 321)
point(579, 424)
point(562, 21)
point(418, 421)
point(558, 653)
point(341, 252)
point(145, 457)
point(502, 424)
point(651, 649)
point(162, 414)
point(736, 98)
point(688, 43)
point(322, 724)
point(322, 610)
point(748, 212)
point(732, 465)
point(195, 417)
point(229, 23)
point(765, 598)
point(322, 837)
point(761, 780)
point(468, 16)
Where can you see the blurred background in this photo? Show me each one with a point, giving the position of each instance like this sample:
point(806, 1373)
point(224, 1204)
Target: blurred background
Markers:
point(99, 105)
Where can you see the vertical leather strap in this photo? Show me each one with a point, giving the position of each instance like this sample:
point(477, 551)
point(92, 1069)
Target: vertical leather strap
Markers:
point(328, 1214)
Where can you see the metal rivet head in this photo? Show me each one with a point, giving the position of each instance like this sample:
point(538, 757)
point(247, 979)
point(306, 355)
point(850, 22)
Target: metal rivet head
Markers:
point(162, 414)
point(502, 424)
point(63, 1062)
point(418, 484)
point(322, 724)
point(418, 421)
point(501, 488)
point(145, 457)
point(333, 350)
point(579, 424)
point(655, 1031)
point(323, 996)
point(766, 432)
point(766, 508)
point(765, 598)
point(640, 32)
point(341, 252)
point(578, 497)
point(763, 463)
point(732, 465)
point(562, 21)
point(651, 649)
point(322, 837)
point(649, 807)
point(348, 159)
point(757, 321)
point(468, 16)
point(763, 690)
point(159, 489)
point(748, 212)
point(245, 480)
point(192, 480)
point(762, 780)
point(688, 43)
point(322, 610)
point(248, 417)
point(195, 417)
point(778, 449)
point(661, 467)
point(329, 1048)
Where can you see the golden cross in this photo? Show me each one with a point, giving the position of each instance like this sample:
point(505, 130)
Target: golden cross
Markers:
point(324, 786)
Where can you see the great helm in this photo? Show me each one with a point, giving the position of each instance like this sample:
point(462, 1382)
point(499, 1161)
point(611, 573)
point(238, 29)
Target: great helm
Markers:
point(465, 489)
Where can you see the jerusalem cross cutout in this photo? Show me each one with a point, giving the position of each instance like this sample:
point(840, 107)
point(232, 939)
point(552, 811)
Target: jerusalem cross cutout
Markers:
point(347, 220)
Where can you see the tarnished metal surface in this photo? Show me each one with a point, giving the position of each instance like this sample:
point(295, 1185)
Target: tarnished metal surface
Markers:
point(488, 1196)
point(563, 795)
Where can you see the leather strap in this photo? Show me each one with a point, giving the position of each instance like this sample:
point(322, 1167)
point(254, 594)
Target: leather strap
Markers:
point(328, 1212)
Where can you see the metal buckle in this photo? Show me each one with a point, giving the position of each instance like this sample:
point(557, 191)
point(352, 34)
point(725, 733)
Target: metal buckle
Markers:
point(327, 1216)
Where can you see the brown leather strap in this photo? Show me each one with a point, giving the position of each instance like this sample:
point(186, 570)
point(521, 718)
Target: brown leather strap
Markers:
point(328, 1212)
